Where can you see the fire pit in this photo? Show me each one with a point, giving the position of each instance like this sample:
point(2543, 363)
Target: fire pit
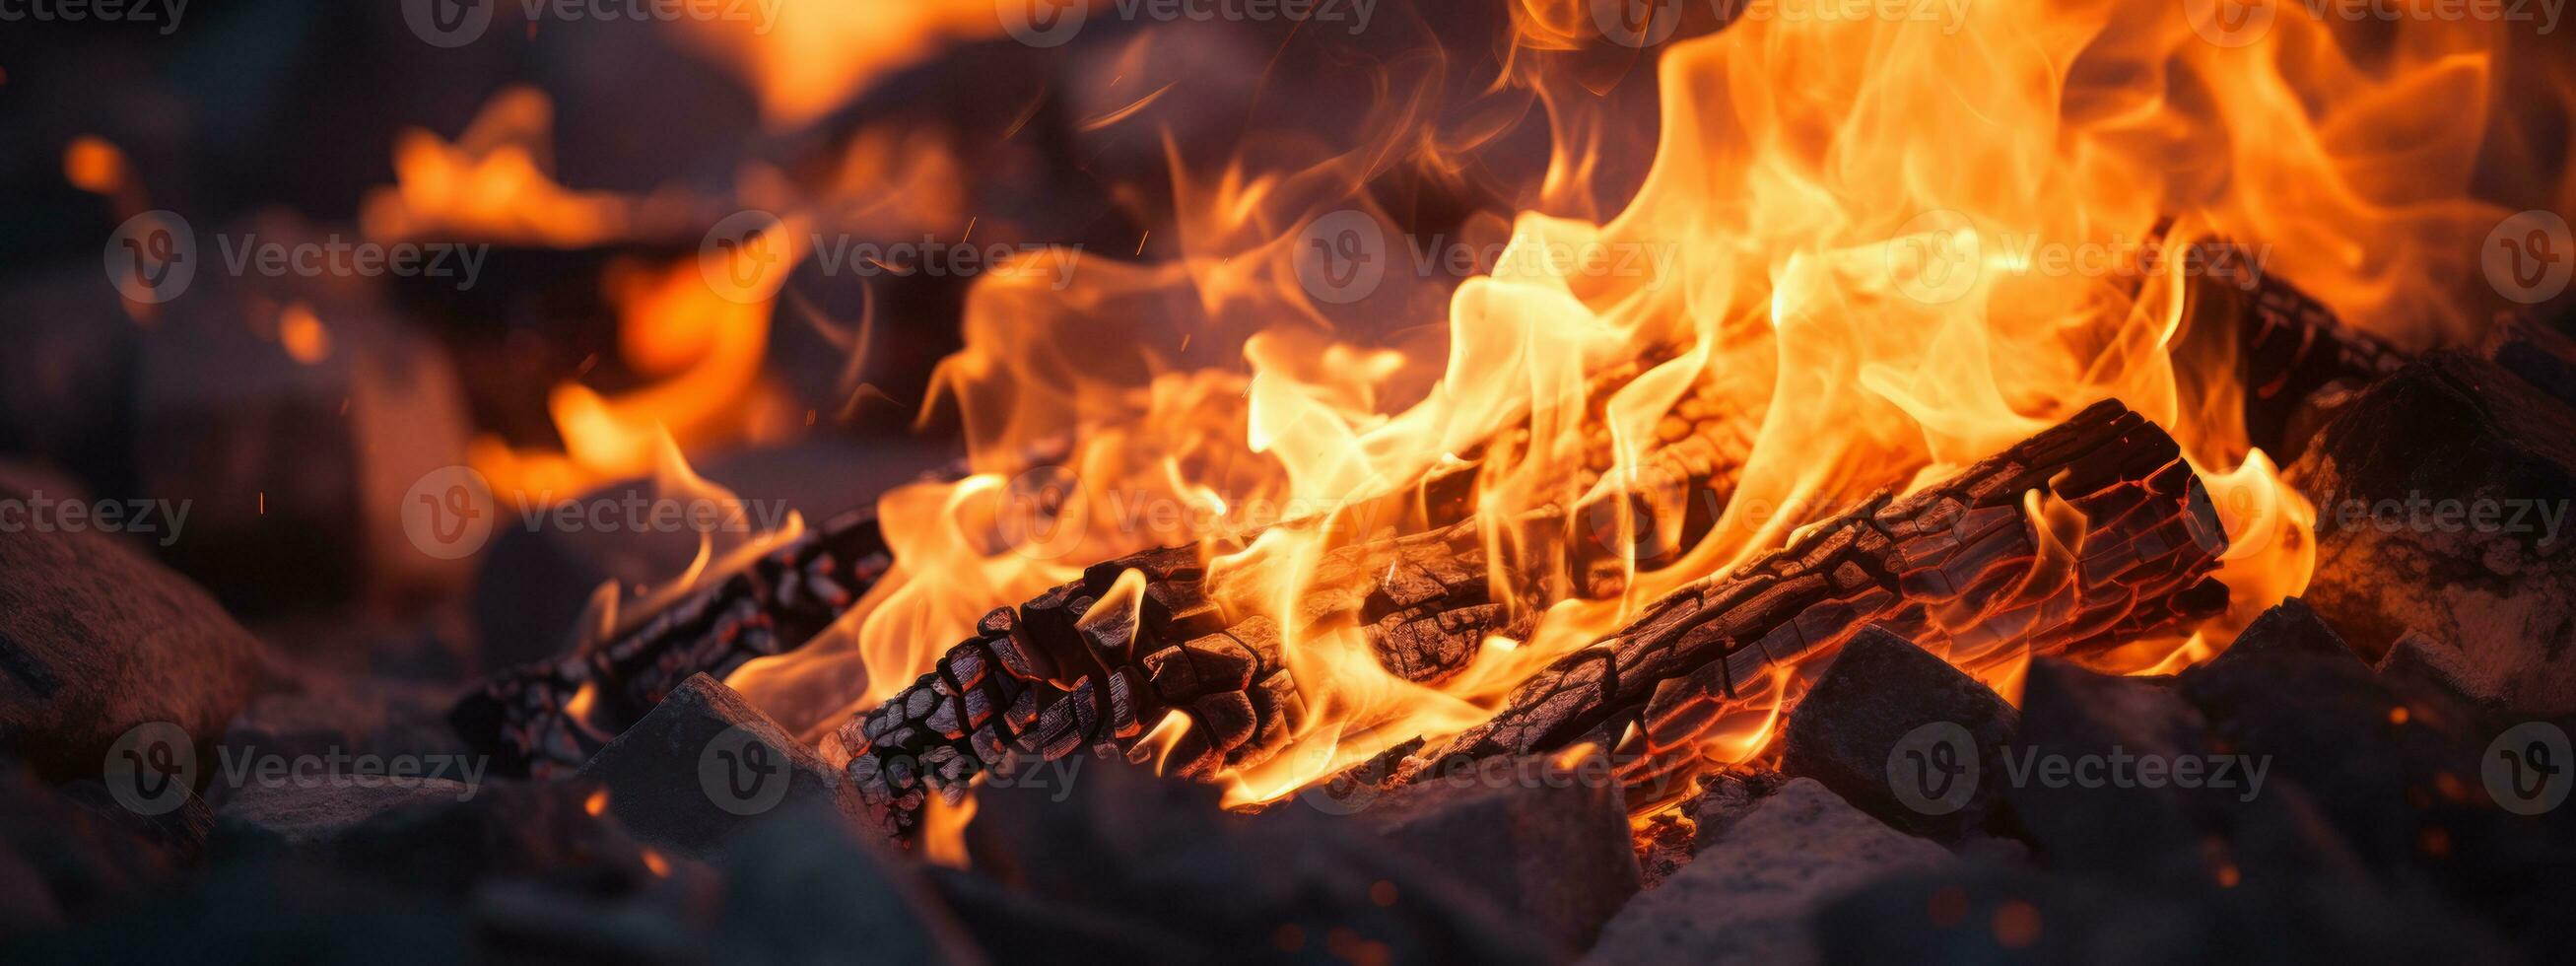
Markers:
point(1617, 480)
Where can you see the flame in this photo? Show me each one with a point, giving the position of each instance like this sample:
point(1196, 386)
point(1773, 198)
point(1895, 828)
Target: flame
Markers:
point(806, 57)
point(673, 323)
point(302, 334)
point(495, 182)
point(93, 165)
point(943, 830)
point(1875, 249)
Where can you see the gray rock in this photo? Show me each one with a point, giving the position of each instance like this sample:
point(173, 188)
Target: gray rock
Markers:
point(1750, 897)
point(1880, 692)
point(2418, 661)
point(1101, 836)
point(2123, 777)
point(1549, 840)
point(704, 764)
point(302, 817)
point(2441, 500)
point(2290, 628)
point(1728, 797)
point(804, 889)
point(96, 639)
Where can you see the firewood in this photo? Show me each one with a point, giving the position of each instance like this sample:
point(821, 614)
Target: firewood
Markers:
point(2290, 348)
point(1955, 565)
point(1950, 565)
point(776, 604)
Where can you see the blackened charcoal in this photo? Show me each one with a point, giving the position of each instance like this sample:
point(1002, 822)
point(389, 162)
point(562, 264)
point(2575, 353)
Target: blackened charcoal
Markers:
point(1884, 699)
point(705, 763)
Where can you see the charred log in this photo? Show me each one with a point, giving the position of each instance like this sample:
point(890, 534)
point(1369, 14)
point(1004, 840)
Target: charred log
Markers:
point(524, 718)
point(1957, 564)
point(2296, 360)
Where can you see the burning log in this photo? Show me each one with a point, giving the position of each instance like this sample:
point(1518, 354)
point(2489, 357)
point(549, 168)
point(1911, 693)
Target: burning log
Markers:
point(526, 720)
point(1425, 598)
point(2295, 359)
point(2291, 351)
point(1956, 565)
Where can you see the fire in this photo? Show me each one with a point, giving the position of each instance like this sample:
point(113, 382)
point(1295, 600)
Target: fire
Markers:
point(496, 182)
point(943, 830)
point(93, 165)
point(1871, 250)
point(1877, 249)
point(706, 343)
point(806, 57)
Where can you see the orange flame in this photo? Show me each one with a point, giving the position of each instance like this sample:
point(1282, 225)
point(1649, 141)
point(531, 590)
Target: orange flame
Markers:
point(1879, 248)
